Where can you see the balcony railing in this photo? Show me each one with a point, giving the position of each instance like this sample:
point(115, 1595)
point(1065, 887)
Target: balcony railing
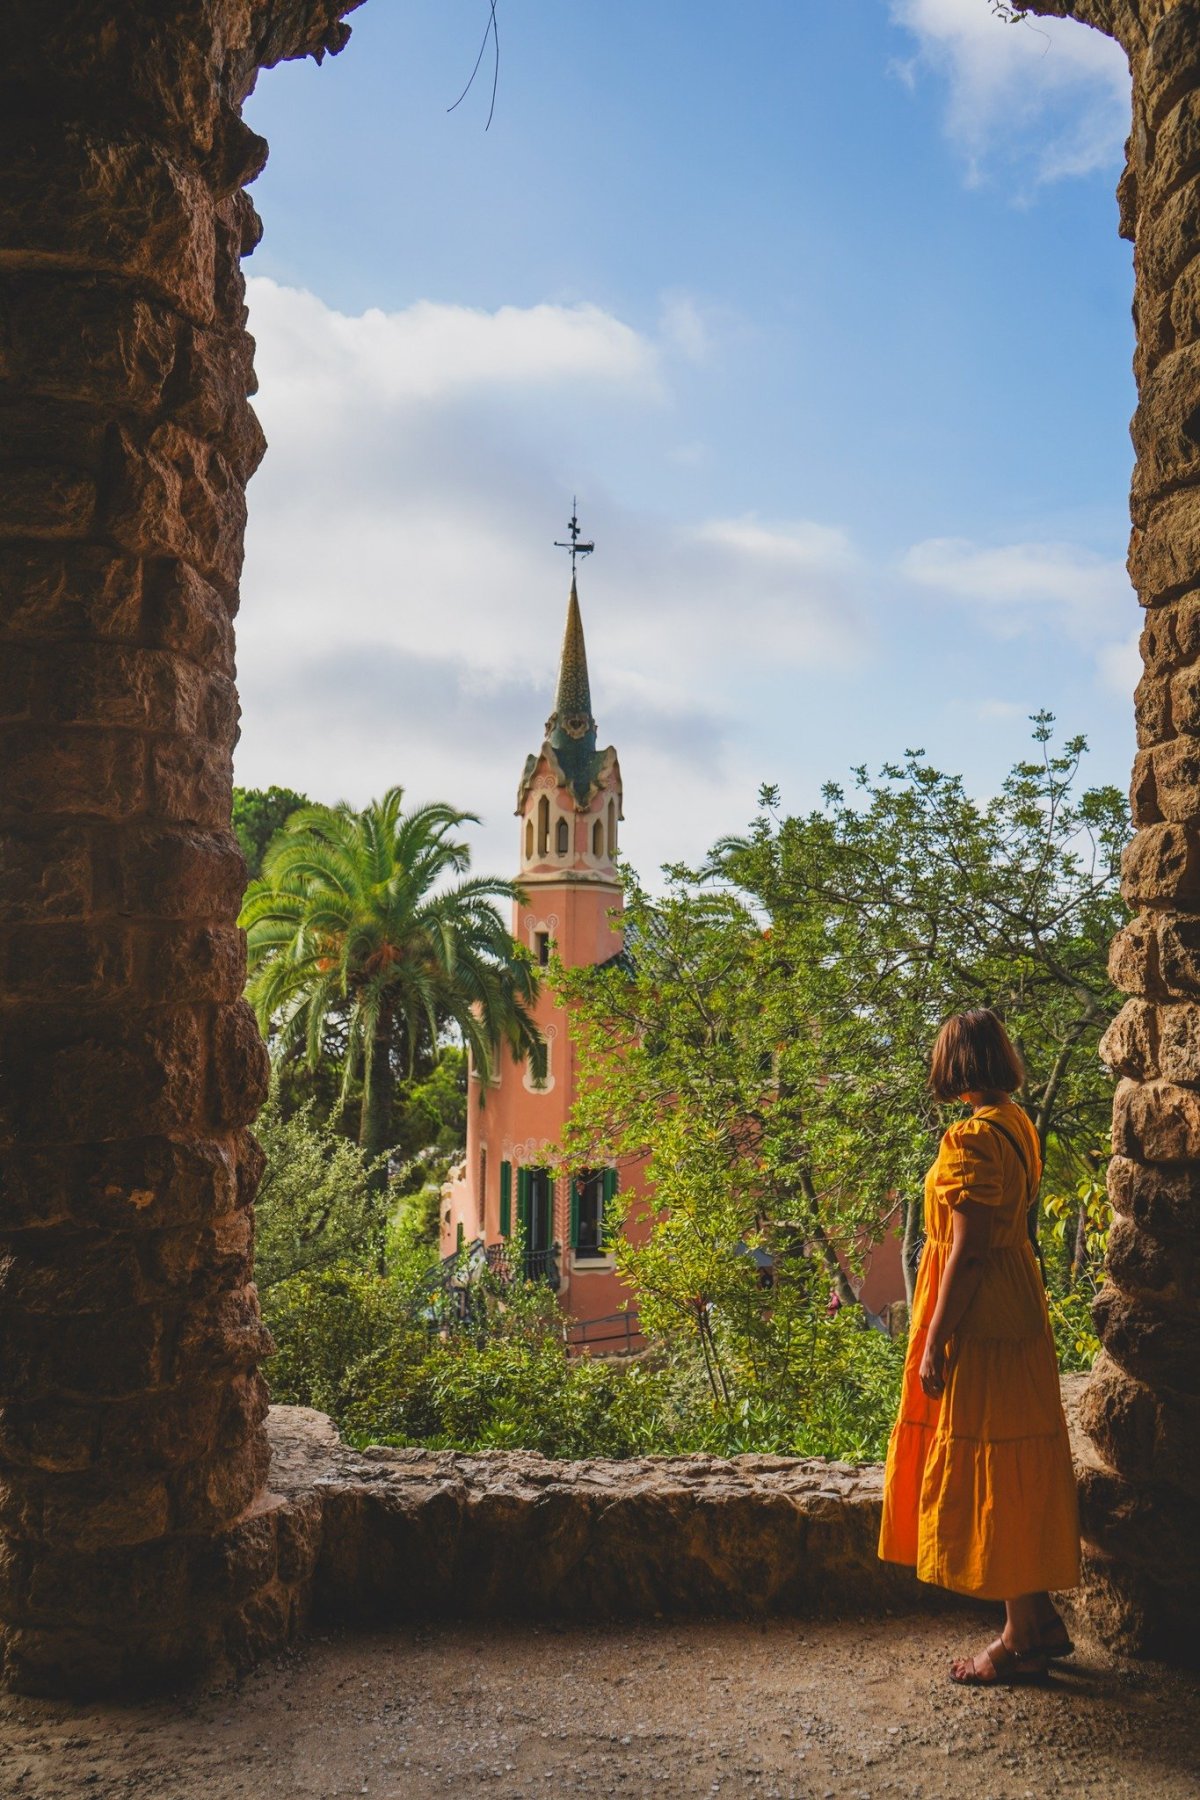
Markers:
point(616, 1334)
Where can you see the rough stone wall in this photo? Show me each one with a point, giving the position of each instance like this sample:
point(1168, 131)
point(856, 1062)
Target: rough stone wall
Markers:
point(133, 1535)
point(1142, 1407)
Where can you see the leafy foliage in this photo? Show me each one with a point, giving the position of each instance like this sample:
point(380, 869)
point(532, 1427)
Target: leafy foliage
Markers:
point(356, 927)
point(258, 813)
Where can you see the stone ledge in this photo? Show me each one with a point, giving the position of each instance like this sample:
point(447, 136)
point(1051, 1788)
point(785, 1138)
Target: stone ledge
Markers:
point(418, 1532)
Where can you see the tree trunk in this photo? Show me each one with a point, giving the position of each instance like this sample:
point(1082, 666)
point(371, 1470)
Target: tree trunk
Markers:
point(910, 1249)
point(375, 1128)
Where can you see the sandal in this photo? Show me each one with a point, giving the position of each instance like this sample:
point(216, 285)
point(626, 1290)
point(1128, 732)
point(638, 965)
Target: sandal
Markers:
point(1002, 1667)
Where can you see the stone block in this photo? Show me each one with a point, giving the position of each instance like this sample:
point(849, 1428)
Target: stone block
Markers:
point(174, 495)
point(122, 208)
point(195, 963)
point(76, 591)
point(1128, 1046)
point(53, 1436)
point(55, 962)
point(197, 1260)
point(1120, 1416)
point(223, 1331)
point(85, 340)
point(1161, 867)
point(68, 1273)
point(46, 873)
point(1175, 782)
point(116, 686)
point(1163, 1201)
point(1167, 237)
point(184, 613)
point(1141, 1264)
point(97, 1076)
point(191, 781)
point(1179, 1042)
point(83, 1356)
point(1158, 644)
point(1152, 713)
point(209, 1495)
point(95, 772)
point(240, 1065)
point(1156, 1121)
point(41, 502)
point(159, 1431)
point(1184, 701)
point(1133, 959)
point(1166, 426)
point(176, 873)
point(1178, 961)
point(1158, 1344)
point(1167, 70)
point(1164, 548)
point(251, 1166)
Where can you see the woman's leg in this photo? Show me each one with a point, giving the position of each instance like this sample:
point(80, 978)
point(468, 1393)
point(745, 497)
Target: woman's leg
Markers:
point(1021, 1637)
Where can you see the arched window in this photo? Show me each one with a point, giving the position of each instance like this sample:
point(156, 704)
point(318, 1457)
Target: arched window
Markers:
point(543, 826)
point(562, 837)
point(529, 840)
point(612, 829)
point(597, 839)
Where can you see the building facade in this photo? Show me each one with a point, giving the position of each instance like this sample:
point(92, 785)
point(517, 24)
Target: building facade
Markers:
point(569, 808)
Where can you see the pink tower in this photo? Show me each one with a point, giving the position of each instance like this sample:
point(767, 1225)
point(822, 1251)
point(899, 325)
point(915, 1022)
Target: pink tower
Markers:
point(569, 807)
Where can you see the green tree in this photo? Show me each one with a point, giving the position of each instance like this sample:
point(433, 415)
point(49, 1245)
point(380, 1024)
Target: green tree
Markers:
point(258, 813)
point(358, 923)
point(913, 900)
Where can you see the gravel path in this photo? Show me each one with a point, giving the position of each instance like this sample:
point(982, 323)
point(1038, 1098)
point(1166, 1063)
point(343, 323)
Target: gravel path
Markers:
point(839, 1711)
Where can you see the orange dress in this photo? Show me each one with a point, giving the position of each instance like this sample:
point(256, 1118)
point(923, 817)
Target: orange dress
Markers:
point(979, 1491)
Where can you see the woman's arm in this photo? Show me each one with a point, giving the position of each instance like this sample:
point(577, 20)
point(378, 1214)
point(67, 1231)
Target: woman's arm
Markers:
point(972, 1228)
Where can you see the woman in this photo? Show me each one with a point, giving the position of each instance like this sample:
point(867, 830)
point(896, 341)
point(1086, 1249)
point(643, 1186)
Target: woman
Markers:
point(979, 1492)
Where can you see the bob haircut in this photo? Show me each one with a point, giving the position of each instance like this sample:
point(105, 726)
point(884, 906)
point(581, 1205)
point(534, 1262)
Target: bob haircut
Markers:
point(974, 1054)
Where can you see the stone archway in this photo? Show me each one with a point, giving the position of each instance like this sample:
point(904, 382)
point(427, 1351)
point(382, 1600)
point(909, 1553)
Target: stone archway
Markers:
point(136, 1536)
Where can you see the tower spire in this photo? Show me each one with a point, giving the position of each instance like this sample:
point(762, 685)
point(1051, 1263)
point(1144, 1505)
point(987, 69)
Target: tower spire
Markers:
point(571, 728)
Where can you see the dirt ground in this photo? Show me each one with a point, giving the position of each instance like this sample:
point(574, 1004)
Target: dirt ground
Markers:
point(837, 1711)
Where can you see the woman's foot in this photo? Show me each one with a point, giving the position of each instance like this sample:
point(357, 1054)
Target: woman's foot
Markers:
point(1055, 1638)
point(1000, 1666)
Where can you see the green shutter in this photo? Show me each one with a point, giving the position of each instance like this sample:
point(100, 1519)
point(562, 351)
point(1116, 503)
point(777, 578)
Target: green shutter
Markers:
point(523, 1202)
point(460, 1238)
point(505, 1199)
point(574, 1180)
point(610, 1194)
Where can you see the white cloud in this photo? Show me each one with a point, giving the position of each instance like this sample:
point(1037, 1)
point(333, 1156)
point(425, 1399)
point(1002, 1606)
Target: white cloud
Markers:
point(1048, 96)
point(402, 602)
point(1054, 589)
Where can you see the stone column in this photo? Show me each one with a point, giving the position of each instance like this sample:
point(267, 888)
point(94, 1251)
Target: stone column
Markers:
point(1142, 1406)
point(135, 1537)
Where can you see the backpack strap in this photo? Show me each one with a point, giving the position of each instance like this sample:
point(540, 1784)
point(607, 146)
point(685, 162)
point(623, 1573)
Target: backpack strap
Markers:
point(1031, 1209)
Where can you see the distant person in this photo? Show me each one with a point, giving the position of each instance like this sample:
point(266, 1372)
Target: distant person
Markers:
point(979, 1493)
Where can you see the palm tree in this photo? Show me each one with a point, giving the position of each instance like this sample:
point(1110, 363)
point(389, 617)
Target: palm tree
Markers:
point(356, 920)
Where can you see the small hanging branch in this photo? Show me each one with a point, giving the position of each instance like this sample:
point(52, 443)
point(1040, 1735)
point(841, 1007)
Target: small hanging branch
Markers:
point(1011, 15)
point(490, 30)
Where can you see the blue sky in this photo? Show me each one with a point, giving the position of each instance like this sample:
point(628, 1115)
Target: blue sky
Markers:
point(820, 309)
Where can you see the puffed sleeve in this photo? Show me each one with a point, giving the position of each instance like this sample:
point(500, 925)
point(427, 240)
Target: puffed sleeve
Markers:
point(972, 1164)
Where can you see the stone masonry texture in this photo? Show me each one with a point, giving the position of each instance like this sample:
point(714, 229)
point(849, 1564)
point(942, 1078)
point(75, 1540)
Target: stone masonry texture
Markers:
point(136, 1540)
point(138, 1537)
point(1141, 1483)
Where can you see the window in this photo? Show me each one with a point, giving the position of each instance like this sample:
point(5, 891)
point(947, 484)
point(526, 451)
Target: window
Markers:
point(562, 837)
point(539, 1065)
point(481, 1197)
point(541, 947)
point(592, 1195)
point(505, 1199)
point(597, 839)
point(587, 1213)
point(612, 829)
point(543, 826)
point(529, 840)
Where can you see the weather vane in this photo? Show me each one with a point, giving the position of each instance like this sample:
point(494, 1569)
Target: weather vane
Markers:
point(576, 546)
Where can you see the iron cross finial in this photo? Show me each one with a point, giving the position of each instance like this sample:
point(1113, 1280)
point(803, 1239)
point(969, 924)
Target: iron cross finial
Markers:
point(576, 546)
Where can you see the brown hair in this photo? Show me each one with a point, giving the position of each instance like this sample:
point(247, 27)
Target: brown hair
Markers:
point(974, 1054)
